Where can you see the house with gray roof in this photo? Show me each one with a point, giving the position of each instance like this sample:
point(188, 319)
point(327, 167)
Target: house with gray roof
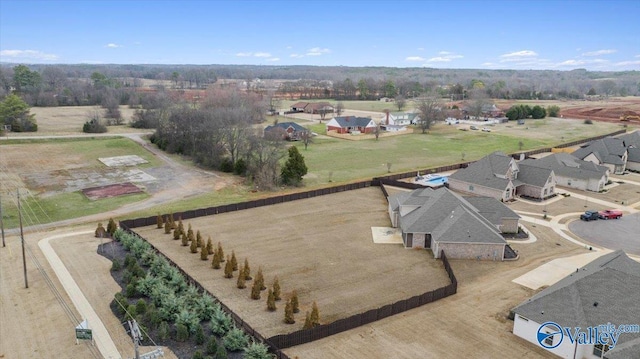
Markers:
point(443, 220)
point(632, 142)
point(605, 291)
point(500, 176)
point(287, 130)
point(400, 118)
point(351, 124)
point(572, 172)
point(610, 152)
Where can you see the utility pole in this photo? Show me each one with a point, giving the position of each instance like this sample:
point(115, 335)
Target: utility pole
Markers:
point(24, 259)
point(2, 225)
point(135, 334)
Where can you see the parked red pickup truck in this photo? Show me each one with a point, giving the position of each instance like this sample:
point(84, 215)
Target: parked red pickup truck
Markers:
point(610, 214)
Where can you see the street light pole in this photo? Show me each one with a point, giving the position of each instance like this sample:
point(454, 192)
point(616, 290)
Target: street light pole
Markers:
point(2, 225)
point(24, 260)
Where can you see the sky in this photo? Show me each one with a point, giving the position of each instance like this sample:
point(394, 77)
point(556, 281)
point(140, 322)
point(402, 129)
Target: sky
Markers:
point(543, 34)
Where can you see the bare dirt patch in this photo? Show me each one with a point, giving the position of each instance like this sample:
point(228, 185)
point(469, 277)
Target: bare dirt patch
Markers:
point(321, 247)
point(113, 190)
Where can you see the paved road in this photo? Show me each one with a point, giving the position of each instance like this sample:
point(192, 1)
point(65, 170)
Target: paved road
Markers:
point(101, 336)
point(623, 233)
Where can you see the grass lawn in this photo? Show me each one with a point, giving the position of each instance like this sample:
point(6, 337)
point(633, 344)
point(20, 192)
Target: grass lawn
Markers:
point(375, 106)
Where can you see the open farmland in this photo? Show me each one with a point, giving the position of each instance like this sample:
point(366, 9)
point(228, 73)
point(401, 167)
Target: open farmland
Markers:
point(321, 247)
point(68, 120)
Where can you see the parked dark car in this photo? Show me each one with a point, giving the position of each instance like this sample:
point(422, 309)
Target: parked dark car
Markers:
point(590, 216)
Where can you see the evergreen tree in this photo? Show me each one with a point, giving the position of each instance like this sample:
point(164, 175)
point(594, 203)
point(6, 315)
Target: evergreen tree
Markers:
point(194, 247)
point(228, 269)
point(204, 254)
point(215, 262)
point(185, 240)
point(199, 336)
point(315, 315)
point(100, 231)
point(180, 226)
point(182, 333)
point(247, 270)
point(288, 313)
point(241, 281)
point(164, 330)
point(212, 345)
point(255, 290)
point(190, 234)
point(220, 252)
point(234, 261)
point(159, 221)
point(199, 239)
point(294, 302)
point(307, 322)
point(221, 353)
point(210, 246)
point(111, 227)
point(276, 289)
point(167, 227)
point(294, 168)
point(260, 279)
point(271, 301)
point(176, 234)
point(173, 223)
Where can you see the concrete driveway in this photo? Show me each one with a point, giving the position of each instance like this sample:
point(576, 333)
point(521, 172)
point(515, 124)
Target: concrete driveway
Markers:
point(623, 233)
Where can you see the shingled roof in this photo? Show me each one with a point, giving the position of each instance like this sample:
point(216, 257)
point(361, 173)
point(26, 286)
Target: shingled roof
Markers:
point(607, 150)
point(631, 139)
point(604, 291)
point(489, 171)
point(444, 214)
point(352, 121)
point(566, 165)
point(491, 209)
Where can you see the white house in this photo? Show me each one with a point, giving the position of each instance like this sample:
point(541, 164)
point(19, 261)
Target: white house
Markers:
point(607, 290)
point(573, 172)
point(610, 152)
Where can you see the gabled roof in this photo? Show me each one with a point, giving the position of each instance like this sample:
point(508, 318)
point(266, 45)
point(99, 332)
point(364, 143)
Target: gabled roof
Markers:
point(483, 172)
point(318, 105)
point(285, 125)
point(627, 350)
point(301, 104)
point(604, 291)
point(352, 121)
point(631, 139)
point(532, 175)
point(634, 154)
point(566, 165)
point(444, 214)
point(608, 150)
point(491, 209)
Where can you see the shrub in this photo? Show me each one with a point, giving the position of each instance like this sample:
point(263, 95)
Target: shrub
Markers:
point(131, 312)
point(159, 221)
point(228, 269)
point(199, 238)
point(185, 239)
point(553, 111)
point(164, 330)
point(94, 125)
point(111, 227)
point(221, 353)
point(176, 234)
point(294, 302)
point(119, 302)
point(235, 340)
point(205, 307)
point(271, 301)
point(197, 355)
point(255, 290)
point(115, 265)
point(257, 351)
point(141, 306)
point(204, 254)
point(588, 122)
point(307, 322)
point(167, 227)
point(247, 270)
point(240, 283)
point(210, 249)
point(260, 279)
point(220, 252)
point(240, 168)
point(315, 315)
point(212, 345)
point(199, 335)
point(221, 322)
point(234, 261)
point(131, 291)
point(194, 247)
point(288, 313)
point(182, 333)
point(100, 231)
point(226, 165)
point(215, 262)
point(276, 289)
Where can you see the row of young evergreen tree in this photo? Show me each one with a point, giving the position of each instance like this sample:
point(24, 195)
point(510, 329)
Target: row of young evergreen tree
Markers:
point(167, 302)
point(195, 242)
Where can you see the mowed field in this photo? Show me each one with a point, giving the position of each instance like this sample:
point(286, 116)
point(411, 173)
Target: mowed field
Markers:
point(68, 120)
point(321, 247)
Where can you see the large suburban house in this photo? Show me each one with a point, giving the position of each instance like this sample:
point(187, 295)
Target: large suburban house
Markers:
point(501, 177)
point(572, 172)
point(287, 130)
point(465, 228)
point(610, 152)
point(632, 142)
point(400, 118)
point(351, 124)
point(605, 291)
point(312, 107)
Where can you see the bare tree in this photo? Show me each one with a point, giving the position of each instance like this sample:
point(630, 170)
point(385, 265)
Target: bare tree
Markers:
point(376, 131)
point(339, 108)
point(401, 102)
point(307, 138)
point(430, 111)
point(479, 100)
point(323, 113)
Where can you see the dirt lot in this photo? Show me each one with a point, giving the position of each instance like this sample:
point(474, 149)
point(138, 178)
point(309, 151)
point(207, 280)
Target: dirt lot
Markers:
point(470, 324)
point(321, 247)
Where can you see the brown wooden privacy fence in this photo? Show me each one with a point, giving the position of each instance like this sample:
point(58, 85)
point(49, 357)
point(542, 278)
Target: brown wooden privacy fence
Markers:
point(308, 335)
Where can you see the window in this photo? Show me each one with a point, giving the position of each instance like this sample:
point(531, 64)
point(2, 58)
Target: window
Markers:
point(549, 340)
point(599, 350)
point(470, 187)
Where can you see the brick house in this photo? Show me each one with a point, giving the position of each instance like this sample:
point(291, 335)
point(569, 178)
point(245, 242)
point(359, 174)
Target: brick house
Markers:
point(351, 124)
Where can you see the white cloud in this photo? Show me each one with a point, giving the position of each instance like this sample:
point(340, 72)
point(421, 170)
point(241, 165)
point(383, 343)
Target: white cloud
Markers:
point(518, 56)
point(637, 56)
point(420, 49)
point(581, 62)
point(445, 56)
point(439, 59)
point(316, 51)
point(27, 55)
point(628, 63)
point(414, 58)
point(244, 54)
point(262, 54)
point(296, 56)
point(599, 52)
point(112, 46)
point(273, 59)
point(444, 53)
